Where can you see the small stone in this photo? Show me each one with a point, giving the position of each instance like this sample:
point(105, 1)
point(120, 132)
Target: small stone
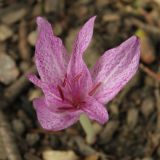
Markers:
point(24, 66)
point(54, 141)
point(114, 109)
point(158, 151)
point(92, 157)
point(21, 114)
point(101, 3)
point(18, 126)
point(8, 70)
point(32, 37)
point(70, 38)
point(97, 128)
point(5, 32)
point(85, 1)
point(147, 106)
point(132, 117)
point(53, 6)
point(58, 28)
point(110, 17)
point(14, 14)
point(3, 153)
point(34, 93)
point(80, 11)
point(149, 81)
point(109, 130)
point(147, 158)
point(84, 148)
point(36, 10)
point(32, 138)
point(59, 155)
point(91, 54)
point(29, 156)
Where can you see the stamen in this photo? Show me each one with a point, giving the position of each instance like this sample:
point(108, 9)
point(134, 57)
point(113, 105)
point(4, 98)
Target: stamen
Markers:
point(66, 108)
point(94, 89)
point(76, 78)
point(65, 79)
point(60, 92)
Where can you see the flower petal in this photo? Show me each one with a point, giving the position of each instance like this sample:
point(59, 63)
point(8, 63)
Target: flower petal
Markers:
point(76, 63)
point(84, 36)
point(35, 80)
point(95, 110)
point(53, 121)
point(115, 68)
point(51, 57)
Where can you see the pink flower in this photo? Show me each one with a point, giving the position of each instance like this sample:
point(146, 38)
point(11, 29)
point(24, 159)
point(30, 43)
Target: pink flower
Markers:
point(69, 87)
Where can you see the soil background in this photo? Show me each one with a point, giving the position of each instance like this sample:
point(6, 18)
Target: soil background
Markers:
point(133, 130)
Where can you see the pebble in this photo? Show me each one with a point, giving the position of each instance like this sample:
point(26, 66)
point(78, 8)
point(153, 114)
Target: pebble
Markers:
point(14, 14)
point(32, 138)
point(32, 37)
point(110, 17)
point(3, 154)
point(24, 66)
point(114, 109)
point(70, 38)
point(5, 32)
point(101, 3)
point(57, 28)
point(91, 54)
point(34, 93)
point(149, 81)
point(97, 128)
point(84, 148)
point(53, 6)
point(147, 158)
point(147, 106)
point(18, 126)
point(132, 117)
point(59, 155)
point(29, 156)
point(54, 141)
point(110, 128)
point(92, 157)
point(158, 151)
point(8, 70)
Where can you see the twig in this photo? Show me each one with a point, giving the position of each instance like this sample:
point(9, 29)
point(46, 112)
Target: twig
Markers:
point(7, 138)
point(12, 92)
point(157, 96)
point(23, 45)
point(152, 74)
point(148, 28)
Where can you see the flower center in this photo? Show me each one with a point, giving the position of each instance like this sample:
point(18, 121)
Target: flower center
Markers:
point(67, 92)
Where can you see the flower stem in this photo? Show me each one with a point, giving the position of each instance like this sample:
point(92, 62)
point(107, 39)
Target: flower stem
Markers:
point(88, 129)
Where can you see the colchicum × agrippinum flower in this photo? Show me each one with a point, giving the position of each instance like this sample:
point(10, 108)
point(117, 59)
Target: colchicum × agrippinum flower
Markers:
point(70, 88)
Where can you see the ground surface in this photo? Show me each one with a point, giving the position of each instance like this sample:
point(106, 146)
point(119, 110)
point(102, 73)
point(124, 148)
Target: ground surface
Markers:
point(133, 131)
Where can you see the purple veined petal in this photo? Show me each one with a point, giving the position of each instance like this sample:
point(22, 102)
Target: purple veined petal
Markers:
point(50, 55)
point(115, 68)
point(84, 37)
point(76, 63)
point(51, 93)
point(95, 110)
point(35, 80)
point(53, 121)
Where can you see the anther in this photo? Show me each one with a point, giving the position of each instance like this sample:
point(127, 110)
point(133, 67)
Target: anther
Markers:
point(64, 81)
point(60, 92)
point(76, 78)
point(93, 90)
